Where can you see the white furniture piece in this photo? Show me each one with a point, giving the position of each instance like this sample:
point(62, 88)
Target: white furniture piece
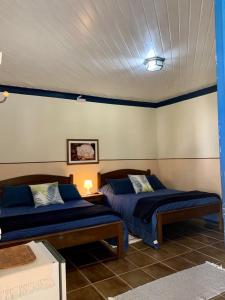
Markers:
point(44, 278)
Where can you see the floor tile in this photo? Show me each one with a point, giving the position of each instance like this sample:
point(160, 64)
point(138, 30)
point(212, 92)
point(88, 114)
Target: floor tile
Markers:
point(137, 278)
point(213, 252)
point(203, 238)
point(87, 293)
point(130, 250)
point(178, 263)
point(141, 259)
point(75, 280)
point(158, 270)
point(219, 245)
point(190, 243)
point(120, 266)
point(140, 245)
point(159, 254)
point(96, 272)
point(175, 248)
point(112, 287)
point(214, 234)
point(199, 258)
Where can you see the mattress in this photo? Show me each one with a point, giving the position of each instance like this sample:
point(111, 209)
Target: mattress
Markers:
point(125, 205)
point(42, 230)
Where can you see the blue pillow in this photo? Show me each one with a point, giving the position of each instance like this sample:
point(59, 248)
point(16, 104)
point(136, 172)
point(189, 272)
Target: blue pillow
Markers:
point(69, 192)
point(155, 183)
point(19, 195)
point(121, 186)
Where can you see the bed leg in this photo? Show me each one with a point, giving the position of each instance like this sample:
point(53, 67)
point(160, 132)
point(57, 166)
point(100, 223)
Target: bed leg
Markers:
point(120, 251)
point(159, 229)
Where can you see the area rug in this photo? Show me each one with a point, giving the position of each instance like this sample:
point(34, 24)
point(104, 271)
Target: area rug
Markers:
point(202, 282)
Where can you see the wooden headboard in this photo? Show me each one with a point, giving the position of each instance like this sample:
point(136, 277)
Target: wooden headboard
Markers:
point(35, 179)
point(117, 174)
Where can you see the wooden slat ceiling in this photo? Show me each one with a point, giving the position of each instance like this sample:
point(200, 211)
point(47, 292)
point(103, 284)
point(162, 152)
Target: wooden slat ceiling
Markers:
point(97, 47)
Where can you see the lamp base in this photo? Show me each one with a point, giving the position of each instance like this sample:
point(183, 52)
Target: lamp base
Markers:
point(88, 192)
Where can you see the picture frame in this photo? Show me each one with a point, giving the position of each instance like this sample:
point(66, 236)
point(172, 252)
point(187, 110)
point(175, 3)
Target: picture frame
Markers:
point(82, 151)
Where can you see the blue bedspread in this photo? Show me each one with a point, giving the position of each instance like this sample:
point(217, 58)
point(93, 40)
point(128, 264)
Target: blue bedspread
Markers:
point(126, 203)
point(41, 230)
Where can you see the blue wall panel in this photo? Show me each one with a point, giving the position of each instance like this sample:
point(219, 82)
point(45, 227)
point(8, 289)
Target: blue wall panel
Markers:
point(220, 62)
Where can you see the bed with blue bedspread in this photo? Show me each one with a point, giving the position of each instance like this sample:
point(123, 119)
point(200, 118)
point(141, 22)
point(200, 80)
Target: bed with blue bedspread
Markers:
point(74, 222)
point(145, 213)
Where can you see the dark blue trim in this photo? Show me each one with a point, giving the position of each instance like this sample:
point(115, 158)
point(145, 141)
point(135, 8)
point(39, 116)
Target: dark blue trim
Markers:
point(220, 68)
point(188, 96)
point(73, 96)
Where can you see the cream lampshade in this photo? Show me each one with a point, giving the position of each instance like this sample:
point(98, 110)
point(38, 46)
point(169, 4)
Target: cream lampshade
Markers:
point(88, 184)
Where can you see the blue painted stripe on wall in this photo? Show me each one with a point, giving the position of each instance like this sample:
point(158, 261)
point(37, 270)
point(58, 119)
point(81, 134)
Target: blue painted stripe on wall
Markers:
point(188, 96)
point(73, 96)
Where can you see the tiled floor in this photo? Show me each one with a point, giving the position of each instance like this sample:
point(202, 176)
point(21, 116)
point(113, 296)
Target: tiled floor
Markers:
point(91, 275)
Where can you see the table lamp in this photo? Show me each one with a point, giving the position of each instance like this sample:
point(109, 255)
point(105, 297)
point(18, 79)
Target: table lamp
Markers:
point(88, 184)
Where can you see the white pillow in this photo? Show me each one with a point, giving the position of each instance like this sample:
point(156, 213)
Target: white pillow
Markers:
point(140, 184)
point(46, 194)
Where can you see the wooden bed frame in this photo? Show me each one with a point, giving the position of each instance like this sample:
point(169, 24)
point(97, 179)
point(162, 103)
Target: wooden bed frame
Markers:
point(67, 238)
point(168, 217)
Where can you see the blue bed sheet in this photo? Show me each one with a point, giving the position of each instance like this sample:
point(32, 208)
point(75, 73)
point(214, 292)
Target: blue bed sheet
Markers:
point(125, 205)
point(41, 230)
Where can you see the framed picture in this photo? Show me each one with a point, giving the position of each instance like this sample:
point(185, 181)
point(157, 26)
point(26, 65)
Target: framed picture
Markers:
point(82, 152)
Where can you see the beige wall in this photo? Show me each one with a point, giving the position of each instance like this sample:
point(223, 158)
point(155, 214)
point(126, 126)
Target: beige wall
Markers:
point(183, 137)
point(187, 141)
point(190, 174)
point(35, 129)
point(188, 129)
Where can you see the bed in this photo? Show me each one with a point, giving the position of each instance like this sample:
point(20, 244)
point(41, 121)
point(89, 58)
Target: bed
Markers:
point(152, 232)
point(66, 234)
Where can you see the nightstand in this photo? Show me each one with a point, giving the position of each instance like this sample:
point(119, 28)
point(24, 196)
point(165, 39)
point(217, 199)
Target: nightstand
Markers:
point(96, 198)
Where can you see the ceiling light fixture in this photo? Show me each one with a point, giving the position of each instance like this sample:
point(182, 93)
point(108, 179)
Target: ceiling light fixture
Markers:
point(154, 63)
point(5, 96)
